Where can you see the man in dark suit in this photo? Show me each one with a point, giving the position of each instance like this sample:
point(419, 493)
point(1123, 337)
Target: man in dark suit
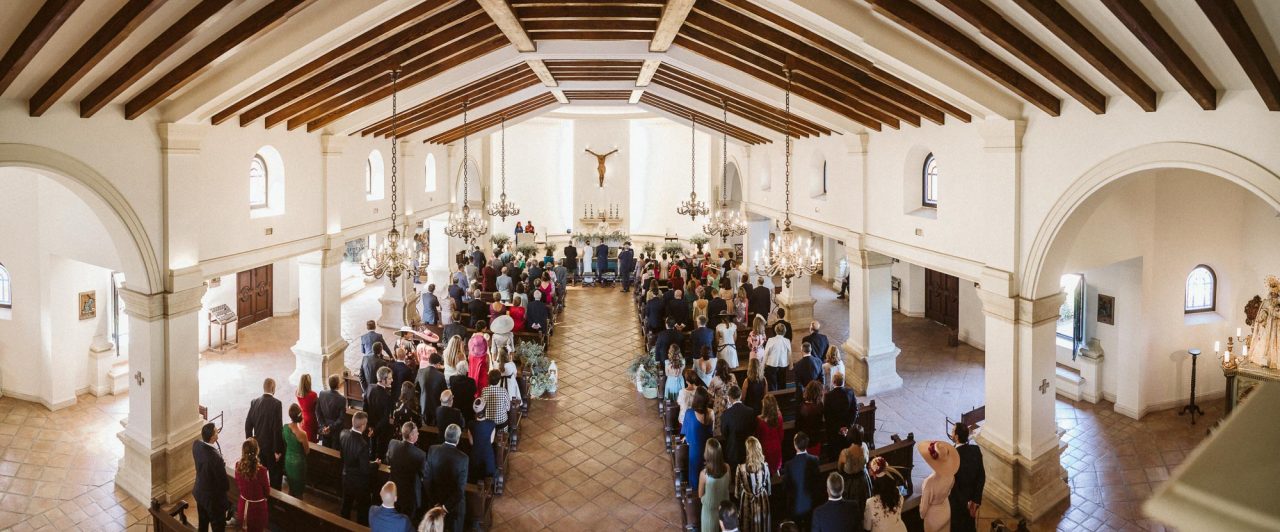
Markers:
point(372, 337)
point(654, 314)
point(264, 423)
point(385, 518)
point(808, 368)
point(357, 469)
point(536, 314)
point(800, 482)
point(702, 336)
point(379, 402)
point(430, 383)
point(716, 306)
point(446, 414)
point(477, 309)
point(678, 310)
point(330, 407)
point(408, 470)
point(786, 325)
point(456, 293)
point(818, 340)
point(667, 338)
point(758, 300)
point(477, 258)
point(211, 487)
point(534, 270)
point(738, 423)
point(464, 391)
point(971, 478)
point(571, 258)
point(839, 412)
point(837, 514)
point(400, 372)
point(602, 258)
point(447, 478)
point(626, 265)
point(369, 365)
point(429, 306)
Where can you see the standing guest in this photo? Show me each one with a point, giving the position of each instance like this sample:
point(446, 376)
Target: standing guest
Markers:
point(769, 430)
point(654, 315)
point(477, 257)
point(726, 338)
point(674, 370)
point(760, 299)
point(562, 279)
point(454, 352)
point(678, 309)
point(839, 412)
point(738, 424)
point(509, 377)
point(753, 489)
point(503, 338)
point(801, 482)
point(369, 365)
point(818, 340)
point(837, 514)
point(685, 398)
point(447, 477)
point(703, 336)
point(777, 356)
point(330, 407)
point(477, 310)
point(379, 403)
point(786, 325)
point(602, 257)
point(519, 229)
point(385, 518)
point(263, 423)
point(571, 258)
point(498, 399)
point(741, 306)
point(698, 308)
point(400, 370)
point(407, 409)
point(408, 469)
point(446, 414)
point(431, 381)
point(370, 338)
point(429, 306)
point(935, 509)
point(809, 367)
point(210, 491)
point(448, 312)
point(970, 479)
point(696, 429)
point(667, 338)
point(489, 278)
point(809, 418)
point(478, 362)
point(484, 463)
point(464, 391)
point(434, 520)
point(504, 283)
point(852, 465)
point(705, 367)
point(728, 517)
point(884, 509)
point(713, 484)
point(537, 315)
point(528, 227)
point(719, 305)
point(834, 365)
point(753, 385)
point(254, 488)
point(472, 272)
point(626, 265)
point(357, 469)
point(296, 448)
point(757, 338)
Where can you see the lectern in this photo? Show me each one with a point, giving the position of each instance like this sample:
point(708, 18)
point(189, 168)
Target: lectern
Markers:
point(221, 315)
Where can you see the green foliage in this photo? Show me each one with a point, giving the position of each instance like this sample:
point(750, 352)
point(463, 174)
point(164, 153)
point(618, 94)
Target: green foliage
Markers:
point(649, 248)
point(499, 239)
point(672, 248)
point(529, 250)
point(698, 239)
point(644, 370)
point(533, 355)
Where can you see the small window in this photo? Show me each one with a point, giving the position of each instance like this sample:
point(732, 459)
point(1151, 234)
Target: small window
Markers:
point(368, 177)
point(258, 198)
point(1201, 290)
point(824, 177)
point(431, 172)
point(6, 293)
point(1070, 326)
point(930, 182)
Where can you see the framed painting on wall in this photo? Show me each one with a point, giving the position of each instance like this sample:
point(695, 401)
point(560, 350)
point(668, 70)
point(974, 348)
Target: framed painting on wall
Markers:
point(88, 305)
point(1106, 309)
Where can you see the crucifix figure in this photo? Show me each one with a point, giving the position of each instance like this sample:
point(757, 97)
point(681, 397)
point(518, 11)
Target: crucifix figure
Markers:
point(600, 162)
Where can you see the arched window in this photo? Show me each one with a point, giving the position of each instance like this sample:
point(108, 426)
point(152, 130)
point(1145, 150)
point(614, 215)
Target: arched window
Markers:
point(373, 176)
point(6, 292)
point(368, 177)
point(929, 177)
point(1201, 290)
point(431, 172)
point(258, 198)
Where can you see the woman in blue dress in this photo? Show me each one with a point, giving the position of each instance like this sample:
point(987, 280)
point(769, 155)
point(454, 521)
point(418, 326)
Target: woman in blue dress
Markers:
point(675, 374)
point(697, 430)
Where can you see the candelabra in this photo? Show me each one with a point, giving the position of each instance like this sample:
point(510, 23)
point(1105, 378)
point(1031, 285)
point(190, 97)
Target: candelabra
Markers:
point(692, 208)
point(725, 222)
point(788, 256)
point(393, 257)
point(504, 208)
point(464, 224)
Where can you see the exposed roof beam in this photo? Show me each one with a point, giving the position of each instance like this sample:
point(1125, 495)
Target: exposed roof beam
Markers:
point(1144, 26)
point(543, 73)
point(636, 94)
point(156, 51)
point(1002, 32)
point(254, 25)
point(502, 14)
point(715, 94)
point(646, 72)
point(680, 113)
point(1231, 25)
point(475, 126)
point(93, 51)
point(930, 28)
point(673, 15)
point(1066, 27)
point(560, 97)
point(34, 36)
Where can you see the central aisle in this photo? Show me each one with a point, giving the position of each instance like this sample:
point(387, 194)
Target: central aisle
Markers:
point(592, 458)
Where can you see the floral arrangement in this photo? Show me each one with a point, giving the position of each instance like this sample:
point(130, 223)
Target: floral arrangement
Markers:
point(672, 248)
point(528, 250)
point(613, 236)
point(499, 240)
point(649, 248)
point(644, 372)
point(533, 355)
point(698, 239)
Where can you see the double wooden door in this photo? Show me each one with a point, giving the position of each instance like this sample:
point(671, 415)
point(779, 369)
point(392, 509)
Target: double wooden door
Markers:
point(253, 296)
point(942, 298)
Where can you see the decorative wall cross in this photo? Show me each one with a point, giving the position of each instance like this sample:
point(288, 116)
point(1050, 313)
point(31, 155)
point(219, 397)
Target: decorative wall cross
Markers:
point(600, 163)
point(1044, 386)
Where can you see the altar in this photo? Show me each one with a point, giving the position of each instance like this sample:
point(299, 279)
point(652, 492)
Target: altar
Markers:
point(1245, 380)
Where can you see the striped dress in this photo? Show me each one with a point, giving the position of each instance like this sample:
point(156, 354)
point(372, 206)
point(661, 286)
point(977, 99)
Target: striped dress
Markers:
point(753, 499)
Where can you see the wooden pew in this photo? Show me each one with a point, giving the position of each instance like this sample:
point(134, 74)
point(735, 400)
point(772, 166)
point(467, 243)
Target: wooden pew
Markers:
point(286, 512)
point(352, 389)
point(900, 454)
point(171, 520)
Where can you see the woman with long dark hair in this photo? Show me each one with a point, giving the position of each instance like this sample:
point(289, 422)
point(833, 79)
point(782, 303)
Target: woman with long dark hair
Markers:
point(254, 486)
point(884, 509)
point(713, 485)
point(296, 448)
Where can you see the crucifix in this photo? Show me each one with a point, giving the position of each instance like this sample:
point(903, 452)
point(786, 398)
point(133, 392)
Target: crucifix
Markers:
point(600, 162)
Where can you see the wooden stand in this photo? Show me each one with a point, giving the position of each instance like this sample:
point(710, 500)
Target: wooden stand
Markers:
point(1191, 406)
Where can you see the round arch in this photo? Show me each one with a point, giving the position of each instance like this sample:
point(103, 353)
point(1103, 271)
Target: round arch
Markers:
point(477, 189)
point(137, 255)
point(1204, 158)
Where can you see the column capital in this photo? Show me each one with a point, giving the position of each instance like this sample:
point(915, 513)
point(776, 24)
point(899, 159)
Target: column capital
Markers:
point(856, 144)
point(156, 307)
point(1019, 309)
point(866, 259)
point(178, 138)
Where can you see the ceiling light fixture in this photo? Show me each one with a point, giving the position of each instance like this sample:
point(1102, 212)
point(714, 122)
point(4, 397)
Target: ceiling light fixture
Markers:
point(503, 208)
point(393, 257)
point(692, 208)
point(788, 255)
point(725, 222)
point(464, 224)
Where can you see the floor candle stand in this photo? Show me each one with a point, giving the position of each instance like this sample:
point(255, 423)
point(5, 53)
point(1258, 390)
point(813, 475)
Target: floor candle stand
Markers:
point(1191, 406)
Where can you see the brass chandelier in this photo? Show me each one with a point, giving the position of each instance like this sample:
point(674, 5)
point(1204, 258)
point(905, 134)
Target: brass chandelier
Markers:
point(503, 208)
point(788, 255)
point(692, 208)
point(393, 257)
point(464, 224)
point(725, 222)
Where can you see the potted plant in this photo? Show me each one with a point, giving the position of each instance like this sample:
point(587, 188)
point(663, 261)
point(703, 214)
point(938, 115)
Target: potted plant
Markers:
point(649, 248)
point(672, 248)
point(542, 377)
point(499, 241)
point(644, 372)
point(530, 251)
point(699, 239)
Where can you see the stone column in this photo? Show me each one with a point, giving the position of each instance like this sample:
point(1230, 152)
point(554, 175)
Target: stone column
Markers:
point(393, 301)
point(164, 390)
point(799, 304)
point(320, 344)
point(1019, 437)
point(874, 365)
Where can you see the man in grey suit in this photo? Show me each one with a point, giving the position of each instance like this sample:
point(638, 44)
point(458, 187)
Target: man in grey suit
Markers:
point(370, 338)
point(430, 383)
point(330, 407)
point(265, 423)
point(408, 470)
point(447, 478)
point(430, 306)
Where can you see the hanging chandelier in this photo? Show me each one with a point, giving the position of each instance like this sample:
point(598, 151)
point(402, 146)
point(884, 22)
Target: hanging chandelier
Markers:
point(788, 255)
point(503, 208)
point(463, 223)
point(393, 257)
point(692, 208)
point(725, 222)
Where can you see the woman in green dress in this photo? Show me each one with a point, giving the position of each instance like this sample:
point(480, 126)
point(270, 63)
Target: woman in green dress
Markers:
point(296, 448)
point(713, 485)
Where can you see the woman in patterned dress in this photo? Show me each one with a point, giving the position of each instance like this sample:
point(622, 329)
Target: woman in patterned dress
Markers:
point(752, 488)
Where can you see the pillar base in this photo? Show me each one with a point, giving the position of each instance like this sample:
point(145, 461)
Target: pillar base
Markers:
point(874, 373)
point(1030, 488)
point(392, 316)
point(799, 313)
point(1091, 375)
point(319, 365)
point(166, 472)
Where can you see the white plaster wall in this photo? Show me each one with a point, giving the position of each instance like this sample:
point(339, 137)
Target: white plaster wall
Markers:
point(660, 173)
point(972, 323)
point(222, 294)
point(535, 171)
point(911, 298)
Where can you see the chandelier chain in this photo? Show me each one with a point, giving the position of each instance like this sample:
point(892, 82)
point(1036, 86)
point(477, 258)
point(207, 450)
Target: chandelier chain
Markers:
point(724, 156)
point(395, 139)
point(465, 156)
point(693, 151)
point(504, 156)
point(787, 220)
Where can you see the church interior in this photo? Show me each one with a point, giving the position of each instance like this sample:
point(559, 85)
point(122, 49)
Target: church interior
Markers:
point(1011, 228)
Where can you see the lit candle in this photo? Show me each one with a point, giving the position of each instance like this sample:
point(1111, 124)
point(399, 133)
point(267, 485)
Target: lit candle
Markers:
point(1237, 332)
point(1245, 353)
point(1217, 346)
point(1226, 358)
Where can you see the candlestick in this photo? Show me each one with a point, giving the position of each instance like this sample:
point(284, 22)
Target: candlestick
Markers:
point(1217, 346)
point(1237, 331)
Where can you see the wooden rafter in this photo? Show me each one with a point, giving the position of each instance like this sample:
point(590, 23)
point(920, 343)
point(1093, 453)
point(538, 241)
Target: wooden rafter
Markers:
point(34, 36)
point(113, 32)
point(1231, 25)
point(610, 94)
point(544, 74)
point(593, 70)
point(1153, 36)
point(502, 14)
point(151, 55)
point(647, 70)
point(1002, 32)
point(484, 90)
point(708, 121)
point(923, 24)
point(596, 20)
point(475, 126)
point(1065, 26)
point(749, 108)
point(673, 15)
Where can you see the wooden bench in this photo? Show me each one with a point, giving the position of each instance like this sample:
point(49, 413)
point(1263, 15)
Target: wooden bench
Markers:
point(286, 512)
point(171, 520)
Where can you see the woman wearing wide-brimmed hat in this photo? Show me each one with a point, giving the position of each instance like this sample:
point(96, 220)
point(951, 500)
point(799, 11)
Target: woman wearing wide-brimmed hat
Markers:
point(934, 508)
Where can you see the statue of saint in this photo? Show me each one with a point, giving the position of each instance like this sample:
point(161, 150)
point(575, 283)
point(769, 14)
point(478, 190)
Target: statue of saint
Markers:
point(1264, 343)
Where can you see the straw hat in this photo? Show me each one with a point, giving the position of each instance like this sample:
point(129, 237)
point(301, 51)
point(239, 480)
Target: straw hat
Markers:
point(941, 456)
point(502, 324)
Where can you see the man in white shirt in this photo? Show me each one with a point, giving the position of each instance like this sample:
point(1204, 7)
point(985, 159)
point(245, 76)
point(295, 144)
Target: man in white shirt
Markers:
point(777, 356)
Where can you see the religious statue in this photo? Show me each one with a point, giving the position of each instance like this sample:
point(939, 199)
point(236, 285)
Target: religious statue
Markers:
point(600, 162)
point(1264, 342)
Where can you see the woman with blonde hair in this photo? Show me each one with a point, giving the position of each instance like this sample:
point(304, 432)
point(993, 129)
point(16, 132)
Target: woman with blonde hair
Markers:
point(753, 487)
point(740, 307)
point(833, 365)
point(306, 398)
point(253, 485)
point(713, 484)
point(453, 353)
point(434, 520)
point(757, 338)
point(769, 429)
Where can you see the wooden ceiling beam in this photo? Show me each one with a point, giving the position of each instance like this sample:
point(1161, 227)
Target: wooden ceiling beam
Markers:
point(747, 108)
point(1234, 29)
point(502, 14)
point(34, 36)
point(708, 121)
point(592, 35)
point(113, 32)
point(673, 15)
point(489, 120)
point(1071, 31)
point(505, 76)
point(647, 71)
point(1153, 36)
point(923, 24)
point(250, 28)
point(151, 55)
point(444, 106)
point(539, 67)
point(588, 12)
point(413, 15)
point(735, 98)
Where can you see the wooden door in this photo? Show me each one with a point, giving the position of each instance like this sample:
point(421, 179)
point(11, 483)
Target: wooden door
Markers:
point(942, 298)
point(253, 296)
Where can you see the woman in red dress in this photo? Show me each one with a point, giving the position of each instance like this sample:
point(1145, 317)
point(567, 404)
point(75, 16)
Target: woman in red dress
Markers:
point(516, 311)
point(307, 400)
point(252, 482)
point(769, 431)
